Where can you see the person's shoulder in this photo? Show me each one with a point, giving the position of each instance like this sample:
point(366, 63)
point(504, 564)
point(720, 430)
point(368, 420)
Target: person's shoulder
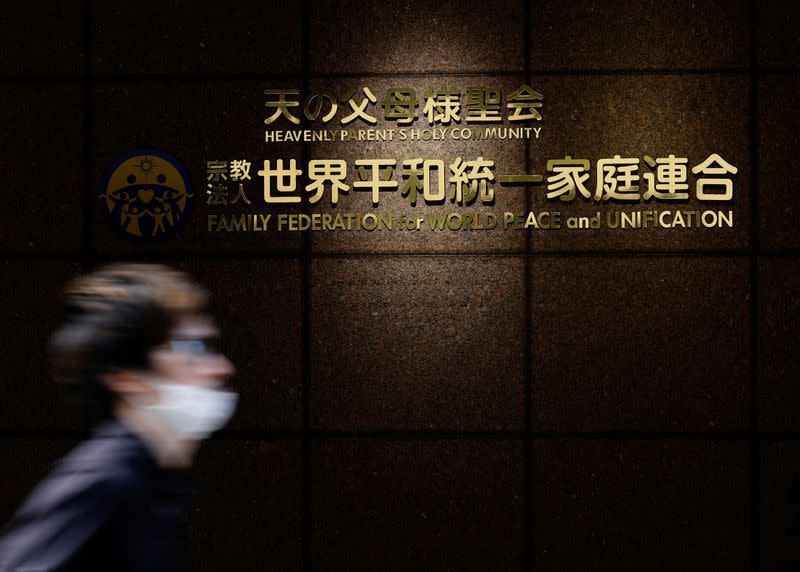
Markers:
point(113, 455)
point(109, 463)
point(99, 477)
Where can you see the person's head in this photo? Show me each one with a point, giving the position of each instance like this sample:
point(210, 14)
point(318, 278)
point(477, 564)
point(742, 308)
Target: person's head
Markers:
point(141, 334)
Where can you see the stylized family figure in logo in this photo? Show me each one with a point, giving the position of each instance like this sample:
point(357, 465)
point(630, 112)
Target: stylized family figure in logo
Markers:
point(146, 195)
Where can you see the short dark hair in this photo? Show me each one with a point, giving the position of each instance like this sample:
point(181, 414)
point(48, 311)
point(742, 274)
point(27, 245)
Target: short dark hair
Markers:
point(115, 316)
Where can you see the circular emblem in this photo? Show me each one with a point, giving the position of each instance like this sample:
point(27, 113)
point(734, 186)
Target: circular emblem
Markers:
point(146, 195)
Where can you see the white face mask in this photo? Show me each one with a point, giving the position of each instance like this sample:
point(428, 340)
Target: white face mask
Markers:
point(191, 411)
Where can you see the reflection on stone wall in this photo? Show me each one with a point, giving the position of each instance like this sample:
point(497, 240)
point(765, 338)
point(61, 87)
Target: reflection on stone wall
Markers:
point(437, 401)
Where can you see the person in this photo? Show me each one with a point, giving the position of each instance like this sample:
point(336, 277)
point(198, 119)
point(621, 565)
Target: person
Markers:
point(137, 347)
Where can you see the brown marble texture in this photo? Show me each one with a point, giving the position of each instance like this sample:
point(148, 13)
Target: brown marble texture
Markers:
point(152, 37)
point(642, 35)
point(42, 38)
point(779, 506)
point(416, 36)
point(635, 505)
point(779, 137)
point(42, 160)
point(32, 306)
point(249, 508)
point(778, 329)
point(417, 505)
point(778, 40)
point(417, 343)
point(640, 343)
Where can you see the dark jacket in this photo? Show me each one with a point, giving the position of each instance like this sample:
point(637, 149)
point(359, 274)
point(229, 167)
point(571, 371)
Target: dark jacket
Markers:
point(106, 506)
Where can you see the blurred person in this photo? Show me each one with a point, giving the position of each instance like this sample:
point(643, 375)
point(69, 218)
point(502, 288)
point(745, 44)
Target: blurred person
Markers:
point(137, 347)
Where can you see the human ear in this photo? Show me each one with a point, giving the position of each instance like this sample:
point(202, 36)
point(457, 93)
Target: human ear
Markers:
point(125, 382)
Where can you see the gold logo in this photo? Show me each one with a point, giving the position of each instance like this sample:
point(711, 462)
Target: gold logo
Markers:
point(147, 195)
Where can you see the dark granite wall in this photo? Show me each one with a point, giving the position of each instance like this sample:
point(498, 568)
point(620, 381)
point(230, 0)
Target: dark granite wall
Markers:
point(485, 401)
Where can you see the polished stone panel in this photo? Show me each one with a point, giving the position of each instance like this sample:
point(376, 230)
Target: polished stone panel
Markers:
point(642, 35)
point(151, 37)
point(778, 329)
point(779, 137)
point(417, 505)
point(32, 306)
point(641, 505)
point(417, 343)
point(416, 36)
point(778, 40)
point(43, 169)
point(641, 343)
point(779, 504)
point(248, 509)
point(42, 38)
